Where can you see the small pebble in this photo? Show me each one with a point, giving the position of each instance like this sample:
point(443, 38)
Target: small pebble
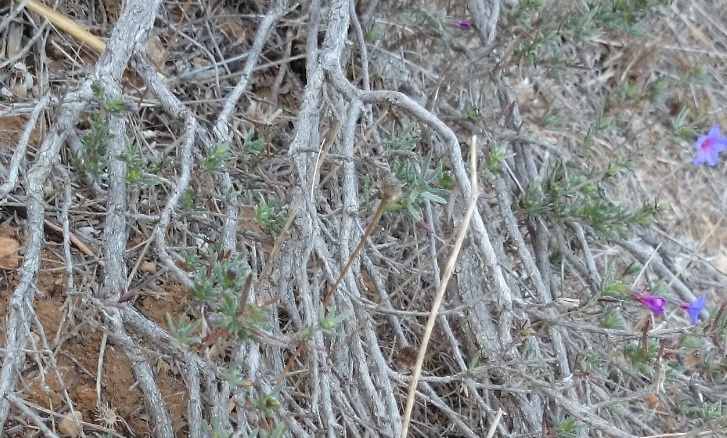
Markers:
point(148, 267)
point(68, 426)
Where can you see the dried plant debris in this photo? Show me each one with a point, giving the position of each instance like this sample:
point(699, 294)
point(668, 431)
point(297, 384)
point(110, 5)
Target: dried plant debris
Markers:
point(231, 218)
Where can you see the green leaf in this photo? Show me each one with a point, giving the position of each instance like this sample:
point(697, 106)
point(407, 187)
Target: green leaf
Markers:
point(98, 90)
point(217, 154)
point(279, 431)
point(612, 320)
point(433, 197)
point(250, 146)
point(232, 376)
point(182, 331)
point(118, 106)
point(331, 321)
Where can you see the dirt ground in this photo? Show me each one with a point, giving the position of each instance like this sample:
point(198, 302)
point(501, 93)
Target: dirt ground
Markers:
point(113, 405)
point(79, 347)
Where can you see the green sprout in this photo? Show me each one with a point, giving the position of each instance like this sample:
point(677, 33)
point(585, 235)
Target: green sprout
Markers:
point(419, 186)
point(135, 164)
point(268, 216)
point(183, 331)
point(217, 155)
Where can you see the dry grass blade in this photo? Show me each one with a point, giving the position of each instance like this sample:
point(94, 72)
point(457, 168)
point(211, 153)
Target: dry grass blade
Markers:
point(446, 275)
point(67, 25)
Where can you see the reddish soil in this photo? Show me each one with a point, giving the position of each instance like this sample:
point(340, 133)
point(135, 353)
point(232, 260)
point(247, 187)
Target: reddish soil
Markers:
point(77, 354)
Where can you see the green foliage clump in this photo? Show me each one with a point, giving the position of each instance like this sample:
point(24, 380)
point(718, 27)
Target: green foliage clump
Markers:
point(420, 185)
point(224, 288)
point(91, 158)
point(572, 195)
point(268, 215)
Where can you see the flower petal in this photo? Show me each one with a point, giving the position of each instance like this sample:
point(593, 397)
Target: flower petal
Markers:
point(712, 158)
point(714, 132)
point(655, 303)
point(720, 143)
point(700, 141)
point(709, 146)
point(695, 307)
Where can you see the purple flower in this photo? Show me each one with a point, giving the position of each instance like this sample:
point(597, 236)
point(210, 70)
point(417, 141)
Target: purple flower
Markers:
point(695, 307)
point(459, 24)
point(709, 146)
point(655, 303)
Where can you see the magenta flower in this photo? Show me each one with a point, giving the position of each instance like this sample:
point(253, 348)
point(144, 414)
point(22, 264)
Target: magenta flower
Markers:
point(709, 146)
point(695, 307)
point(459, 24)
point(655, 303)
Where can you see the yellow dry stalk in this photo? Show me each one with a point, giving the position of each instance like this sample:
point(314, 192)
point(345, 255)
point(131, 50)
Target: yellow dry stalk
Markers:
point(67, 25)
